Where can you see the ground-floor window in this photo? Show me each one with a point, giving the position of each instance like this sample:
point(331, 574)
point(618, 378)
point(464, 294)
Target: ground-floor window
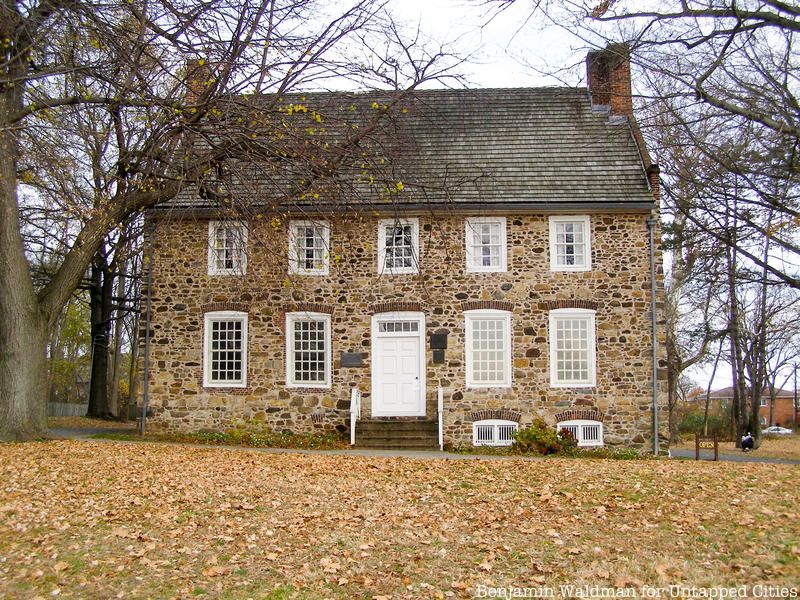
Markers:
point(225, 349)
point(488, 348)
point(308, 350)
point(588, 433)
point(493, 432)
point(572, 348)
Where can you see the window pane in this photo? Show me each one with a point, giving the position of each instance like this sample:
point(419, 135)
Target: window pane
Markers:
point(488, 350)
point(310, 251)
point(570, 244)
point(226, 351)
point(573, 350)
point(399, 247)
point(308, 349)
point(228, 247)
point(485, 244)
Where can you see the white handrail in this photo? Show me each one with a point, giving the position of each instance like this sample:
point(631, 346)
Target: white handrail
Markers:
point(355, 413)
point(440, 411)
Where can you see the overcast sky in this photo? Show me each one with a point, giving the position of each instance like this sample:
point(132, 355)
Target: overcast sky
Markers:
point(507, 49)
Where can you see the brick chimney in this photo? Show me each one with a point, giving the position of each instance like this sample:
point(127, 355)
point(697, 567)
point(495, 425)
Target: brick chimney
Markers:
point(608, 73)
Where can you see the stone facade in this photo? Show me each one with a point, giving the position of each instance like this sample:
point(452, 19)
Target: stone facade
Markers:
point(617, 287)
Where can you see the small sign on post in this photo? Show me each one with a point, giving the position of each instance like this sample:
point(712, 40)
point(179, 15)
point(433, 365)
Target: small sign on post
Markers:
point(705, 443)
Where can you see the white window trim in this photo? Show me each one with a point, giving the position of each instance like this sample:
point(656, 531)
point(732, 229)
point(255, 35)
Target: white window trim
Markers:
point(382, 224)
point(294, 266)
point(495, 424)
point(587, 242)
point(223, 316)
point(763, 401)
point(212, 263)
point(471, 315)
point(580, 424)
point(469, 222)
point(305, 316)
point(573, 313)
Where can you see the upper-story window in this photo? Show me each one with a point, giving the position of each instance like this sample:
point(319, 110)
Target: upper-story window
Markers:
point(488, 348)
point(486, 244)
point(225, 349)
point(398, 246)
point(570, 243)
point(227, 248)
point(309, 247)
point(572, 347)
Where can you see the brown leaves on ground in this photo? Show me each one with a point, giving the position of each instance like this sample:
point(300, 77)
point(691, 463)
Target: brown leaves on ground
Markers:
point(773, 446)
point(91, 519)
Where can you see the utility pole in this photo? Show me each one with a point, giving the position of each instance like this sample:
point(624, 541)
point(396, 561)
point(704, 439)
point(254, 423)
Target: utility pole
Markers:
point(795, 395)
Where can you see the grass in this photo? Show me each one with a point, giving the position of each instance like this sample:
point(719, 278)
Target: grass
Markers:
point(775, 446)
point(88, 423)
point(83, 519)
point(239, 438)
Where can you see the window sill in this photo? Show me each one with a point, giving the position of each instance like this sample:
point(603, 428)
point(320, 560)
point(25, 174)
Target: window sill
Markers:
point(308, 386)
point(573, 385)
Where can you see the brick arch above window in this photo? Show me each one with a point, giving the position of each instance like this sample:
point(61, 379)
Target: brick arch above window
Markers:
point(224, 306)
point(396, 306)
point(556, 304)
point(487, 305)
point(580, 414)
point(315, 307)
point(500, 414)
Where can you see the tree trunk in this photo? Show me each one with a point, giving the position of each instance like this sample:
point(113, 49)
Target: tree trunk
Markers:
point(113, 401)
point(23, 339)
point(54, 356)
point(101, 297)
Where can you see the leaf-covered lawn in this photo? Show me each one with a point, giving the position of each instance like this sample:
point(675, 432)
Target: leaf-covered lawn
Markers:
point(774, 446)
point(94, 519)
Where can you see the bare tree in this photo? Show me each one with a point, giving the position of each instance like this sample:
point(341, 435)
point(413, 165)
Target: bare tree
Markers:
point(126, 64)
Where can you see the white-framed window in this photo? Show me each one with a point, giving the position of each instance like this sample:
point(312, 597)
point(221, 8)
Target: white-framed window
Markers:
point(309, 247)
point(488, 348)
point(570, 243)
point(227, 248)
point(398, 246)
point(763, 401)
point(308, 350)
point(764, 421)
point(225, 349)
point(588, 433)
point(486, 244)
point(493, 432)
point(572, 347)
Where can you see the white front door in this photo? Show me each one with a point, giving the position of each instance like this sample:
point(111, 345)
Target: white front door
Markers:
point(398, 377)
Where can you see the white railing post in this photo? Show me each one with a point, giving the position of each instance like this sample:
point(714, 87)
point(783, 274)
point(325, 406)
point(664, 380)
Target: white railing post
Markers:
point(355, 413)
point(440, 411)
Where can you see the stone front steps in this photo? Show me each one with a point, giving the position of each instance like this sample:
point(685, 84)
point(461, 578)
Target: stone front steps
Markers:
point(397, 434)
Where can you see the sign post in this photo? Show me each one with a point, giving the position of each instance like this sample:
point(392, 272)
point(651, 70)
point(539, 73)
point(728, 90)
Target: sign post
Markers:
point(705, 443)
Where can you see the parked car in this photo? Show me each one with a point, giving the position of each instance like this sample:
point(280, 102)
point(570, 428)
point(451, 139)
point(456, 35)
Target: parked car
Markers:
point(775, 430)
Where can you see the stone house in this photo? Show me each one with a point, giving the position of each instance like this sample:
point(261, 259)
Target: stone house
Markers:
point(508, 278)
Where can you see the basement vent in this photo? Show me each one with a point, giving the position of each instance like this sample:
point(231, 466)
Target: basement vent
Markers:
point(588, 433)
point(493, 432)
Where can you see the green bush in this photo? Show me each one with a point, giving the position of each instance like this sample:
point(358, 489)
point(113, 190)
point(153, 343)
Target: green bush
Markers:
point(539, 438)
point(692, 423)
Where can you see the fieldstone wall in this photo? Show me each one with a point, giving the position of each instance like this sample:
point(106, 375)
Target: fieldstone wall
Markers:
point(617, 287)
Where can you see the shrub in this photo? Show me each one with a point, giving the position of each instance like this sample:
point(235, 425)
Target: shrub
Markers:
point(692, 423)
point(539, 438)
